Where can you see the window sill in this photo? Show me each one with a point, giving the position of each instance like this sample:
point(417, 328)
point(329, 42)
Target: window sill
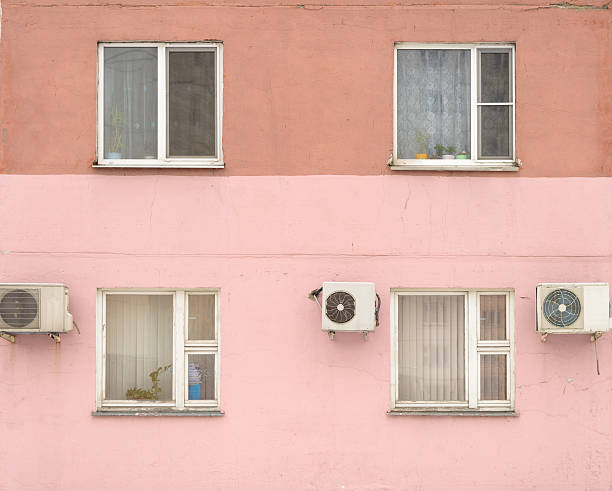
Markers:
point(455, 165)
point(160, 164)
point(433, 412)
point(157, 412)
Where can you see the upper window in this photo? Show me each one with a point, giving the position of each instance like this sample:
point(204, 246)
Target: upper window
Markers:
point(159, 105)
point(454, 106)
point(452, 350)
point(158, 349)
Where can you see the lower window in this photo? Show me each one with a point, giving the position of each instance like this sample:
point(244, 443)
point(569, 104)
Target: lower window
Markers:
point(452, 350)
point(158, 349)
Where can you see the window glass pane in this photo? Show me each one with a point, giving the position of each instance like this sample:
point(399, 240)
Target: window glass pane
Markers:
point(201, 377)
point(130, 103)
point(431, 350)
point(201, 320)
point(492, 317)
point(493, 378)
point(139, 347)
point(495, 132)
point(495, 77)
point(191, 104)
point(433, 100)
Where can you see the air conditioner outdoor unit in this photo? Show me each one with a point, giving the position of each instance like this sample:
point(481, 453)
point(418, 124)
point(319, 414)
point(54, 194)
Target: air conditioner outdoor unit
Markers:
point(573, 308)
point(348, 307)
point(27, 308)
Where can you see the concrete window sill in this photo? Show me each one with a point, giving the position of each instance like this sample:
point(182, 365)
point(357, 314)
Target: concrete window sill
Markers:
point(157, 412)
point(455, 165)
point(404, 412)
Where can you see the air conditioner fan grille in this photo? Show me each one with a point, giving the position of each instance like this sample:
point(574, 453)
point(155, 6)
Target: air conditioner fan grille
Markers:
point(19, 308)
point(561, 308)
point(340, 307)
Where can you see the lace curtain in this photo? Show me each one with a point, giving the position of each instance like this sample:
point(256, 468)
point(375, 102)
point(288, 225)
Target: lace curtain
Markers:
point(433, 99)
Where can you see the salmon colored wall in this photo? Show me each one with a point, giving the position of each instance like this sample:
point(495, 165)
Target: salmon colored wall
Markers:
point(308, 89)
point(303, 412)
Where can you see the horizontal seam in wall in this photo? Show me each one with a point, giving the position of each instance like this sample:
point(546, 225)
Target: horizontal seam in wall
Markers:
point(298, 255)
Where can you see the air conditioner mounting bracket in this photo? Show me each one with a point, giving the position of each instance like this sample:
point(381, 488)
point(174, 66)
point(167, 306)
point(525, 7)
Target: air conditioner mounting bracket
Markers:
point(7, 337)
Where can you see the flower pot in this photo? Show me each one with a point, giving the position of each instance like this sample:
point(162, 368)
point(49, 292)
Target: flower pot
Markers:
point(448, 157)
point(421, 156)
point(461, 156)
point(113, 155)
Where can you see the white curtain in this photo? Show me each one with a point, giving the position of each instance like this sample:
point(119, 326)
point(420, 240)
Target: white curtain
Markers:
point(433, 98)
point(138, 342)
point(431, 348)
point(130, 102)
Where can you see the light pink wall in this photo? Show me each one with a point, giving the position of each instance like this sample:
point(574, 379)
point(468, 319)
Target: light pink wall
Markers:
point(303, 412)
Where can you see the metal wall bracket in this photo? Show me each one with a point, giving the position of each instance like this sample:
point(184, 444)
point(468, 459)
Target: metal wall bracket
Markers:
point(8, 337)
point(544, 336)
point(331, 334)
point(55, 336)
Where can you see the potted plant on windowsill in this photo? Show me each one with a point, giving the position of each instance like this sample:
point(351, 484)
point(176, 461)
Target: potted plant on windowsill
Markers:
point(117, 145)
point(449, 153)
point(422, 142)
point(152, 394)
point(462, 155)
point(439, 149)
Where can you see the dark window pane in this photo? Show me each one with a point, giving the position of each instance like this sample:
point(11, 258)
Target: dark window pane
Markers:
point(495, 77)
point(130, 103)
point(495, 132)
point(191, 104)
point(493, 378)
point(433, 100)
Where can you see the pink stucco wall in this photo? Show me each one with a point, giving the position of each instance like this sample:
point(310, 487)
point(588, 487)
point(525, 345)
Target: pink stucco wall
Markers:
point(303, 412)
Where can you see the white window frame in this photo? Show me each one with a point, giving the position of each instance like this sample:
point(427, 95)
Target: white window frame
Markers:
point(181, 349)
point(472, 164)
point(474, 347)
point(163, 161)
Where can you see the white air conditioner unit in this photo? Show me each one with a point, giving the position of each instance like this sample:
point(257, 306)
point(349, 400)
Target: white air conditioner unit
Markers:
point(348, 307)
point(573, 308)
point(27, 308)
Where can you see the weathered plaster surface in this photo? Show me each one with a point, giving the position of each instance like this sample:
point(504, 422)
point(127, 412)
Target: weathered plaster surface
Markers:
point(303, 412)
point(307, 88)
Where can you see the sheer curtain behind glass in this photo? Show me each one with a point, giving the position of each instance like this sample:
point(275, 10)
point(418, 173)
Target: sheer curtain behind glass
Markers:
point(138, 342)
point(431, 348)
point(130, 103)
point(433, 98)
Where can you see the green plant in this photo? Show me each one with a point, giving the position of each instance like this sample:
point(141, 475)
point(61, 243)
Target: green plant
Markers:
point(451, 150)
point(153, 393)
point(422, 142)
point(439, 149)
point(117, 123)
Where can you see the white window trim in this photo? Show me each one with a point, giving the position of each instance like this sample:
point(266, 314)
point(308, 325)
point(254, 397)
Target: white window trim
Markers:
point(467, 164)
point(473, 347)
point(181, 349)
point(162, 161)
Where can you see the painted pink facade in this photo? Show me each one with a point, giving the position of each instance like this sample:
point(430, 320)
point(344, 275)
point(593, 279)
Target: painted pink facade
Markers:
point(308, 129)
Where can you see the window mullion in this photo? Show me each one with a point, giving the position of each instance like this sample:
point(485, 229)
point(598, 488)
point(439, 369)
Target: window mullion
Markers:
point(179, 349)
point(161, 102)
point(473, 105)
point(472, 375)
